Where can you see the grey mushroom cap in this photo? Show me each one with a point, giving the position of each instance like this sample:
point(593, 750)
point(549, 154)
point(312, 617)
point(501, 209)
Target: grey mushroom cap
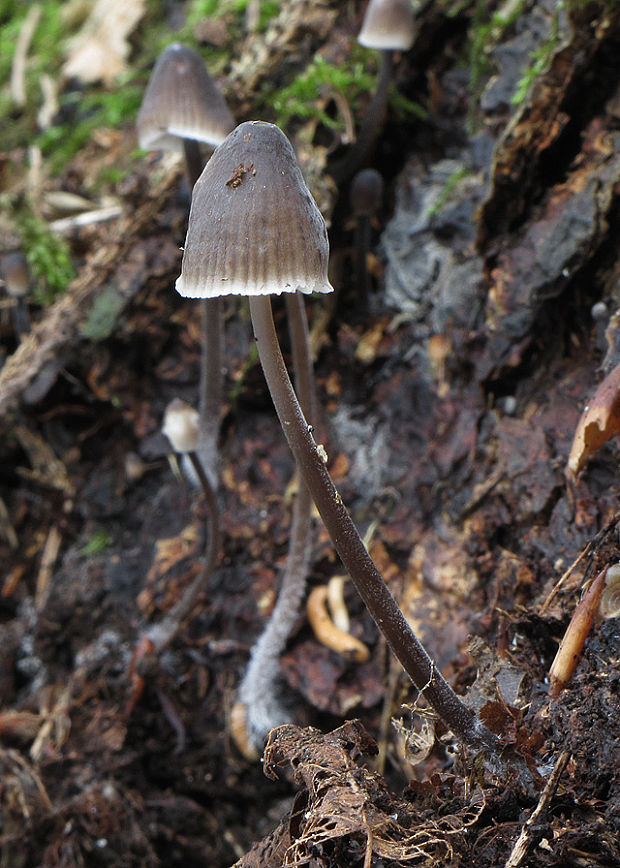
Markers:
point(181, 101)
point(366, 192)
point(254, 228)
point(388, 25)
point(181, 426)
point(14, 272)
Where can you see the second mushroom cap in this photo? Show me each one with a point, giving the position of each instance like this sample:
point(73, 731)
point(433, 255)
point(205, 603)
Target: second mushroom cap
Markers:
point(181, 101)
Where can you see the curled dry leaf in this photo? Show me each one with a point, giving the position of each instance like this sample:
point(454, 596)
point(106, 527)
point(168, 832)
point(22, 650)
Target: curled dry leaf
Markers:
point(99, 51)
point(571, 646)
point(238, 727)
point(326, 631)
point(599, 422)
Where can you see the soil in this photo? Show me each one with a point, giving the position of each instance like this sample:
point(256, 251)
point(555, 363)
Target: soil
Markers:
point(449, 404)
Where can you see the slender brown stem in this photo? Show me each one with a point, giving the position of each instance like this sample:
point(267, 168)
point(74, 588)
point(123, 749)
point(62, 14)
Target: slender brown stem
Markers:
point(372, 125)
point(369, 582)
point(210, 400)
point(210, 394)
point(302, 358)
point(194, 162)
point(162, 633)
point(21, 318)
point(362, 246)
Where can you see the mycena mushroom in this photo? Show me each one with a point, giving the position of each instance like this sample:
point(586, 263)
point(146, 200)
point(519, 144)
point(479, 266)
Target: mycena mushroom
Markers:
point(388, 26)
point(256, 252)
point(182, 108)
point(255, 230)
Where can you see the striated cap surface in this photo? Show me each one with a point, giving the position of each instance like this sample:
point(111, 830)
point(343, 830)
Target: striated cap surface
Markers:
point(254, 228)
point(181, 101)
point(388, 25)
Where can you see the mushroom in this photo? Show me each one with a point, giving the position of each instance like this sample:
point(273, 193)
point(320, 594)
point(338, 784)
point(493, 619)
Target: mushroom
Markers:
point(181, 108)
point(14, 271)
point(181, 427)
point(255, 230)
point(264, 709)
point(366, 195)
point(388, 26)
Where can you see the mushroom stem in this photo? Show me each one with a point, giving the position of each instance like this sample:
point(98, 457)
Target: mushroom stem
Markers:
point(162, 633)
point(368, 581)
point(21, 318)
point(263, 708)
point(210, 399)
point(302, 357)
point(210, 394)
point(362, 246)
point(194, 162)
point(372, 125)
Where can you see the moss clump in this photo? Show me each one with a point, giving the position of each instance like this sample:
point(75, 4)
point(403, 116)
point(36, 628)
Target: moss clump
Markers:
point(99, 541)
point(299, 99)
point(84, 113)
point(541, 58)
point(486, 30)
point(449, 188)
point(47, 254)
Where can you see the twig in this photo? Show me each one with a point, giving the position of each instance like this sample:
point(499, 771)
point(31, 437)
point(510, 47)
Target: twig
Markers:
point(48, 559)
point(18, 67)
point(571, 646)
point(563, 578)
point(523, 842)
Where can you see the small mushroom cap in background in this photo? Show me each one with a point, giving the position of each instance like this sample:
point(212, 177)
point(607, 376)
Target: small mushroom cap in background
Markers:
point(388, 25)
point(14, 273)
point(254, 228)
point(181, 426)
point(366, 194)
point(181, 101)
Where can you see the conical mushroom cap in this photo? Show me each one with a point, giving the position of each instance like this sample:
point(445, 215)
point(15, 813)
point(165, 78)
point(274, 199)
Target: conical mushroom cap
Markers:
point(388, 25)
point(181, 101)
point(254, 228)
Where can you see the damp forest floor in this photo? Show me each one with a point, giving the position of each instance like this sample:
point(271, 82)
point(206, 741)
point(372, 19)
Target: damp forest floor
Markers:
point(449, 402)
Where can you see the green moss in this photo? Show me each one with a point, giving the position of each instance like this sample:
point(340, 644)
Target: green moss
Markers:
point(299, 99)
point(88, 111)
point(98, 542)
point(47, 254)
point(446, 194)
point(486, 30)
point(541, 58)
point(403, 108)
point(200, 9)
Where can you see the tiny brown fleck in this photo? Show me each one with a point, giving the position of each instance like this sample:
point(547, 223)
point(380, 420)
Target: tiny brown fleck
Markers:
point(239, 173)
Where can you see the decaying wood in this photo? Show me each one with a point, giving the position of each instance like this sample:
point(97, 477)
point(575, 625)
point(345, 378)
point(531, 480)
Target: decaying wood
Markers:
point(42, 350)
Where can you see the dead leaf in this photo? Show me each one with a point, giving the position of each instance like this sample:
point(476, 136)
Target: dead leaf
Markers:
point(170, 551)
point(328, 633)
point(368, 346)
point(100, 50)
point(599, 422)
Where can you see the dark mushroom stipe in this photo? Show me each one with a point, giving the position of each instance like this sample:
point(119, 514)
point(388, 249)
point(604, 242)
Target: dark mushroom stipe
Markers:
point(368, 581)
